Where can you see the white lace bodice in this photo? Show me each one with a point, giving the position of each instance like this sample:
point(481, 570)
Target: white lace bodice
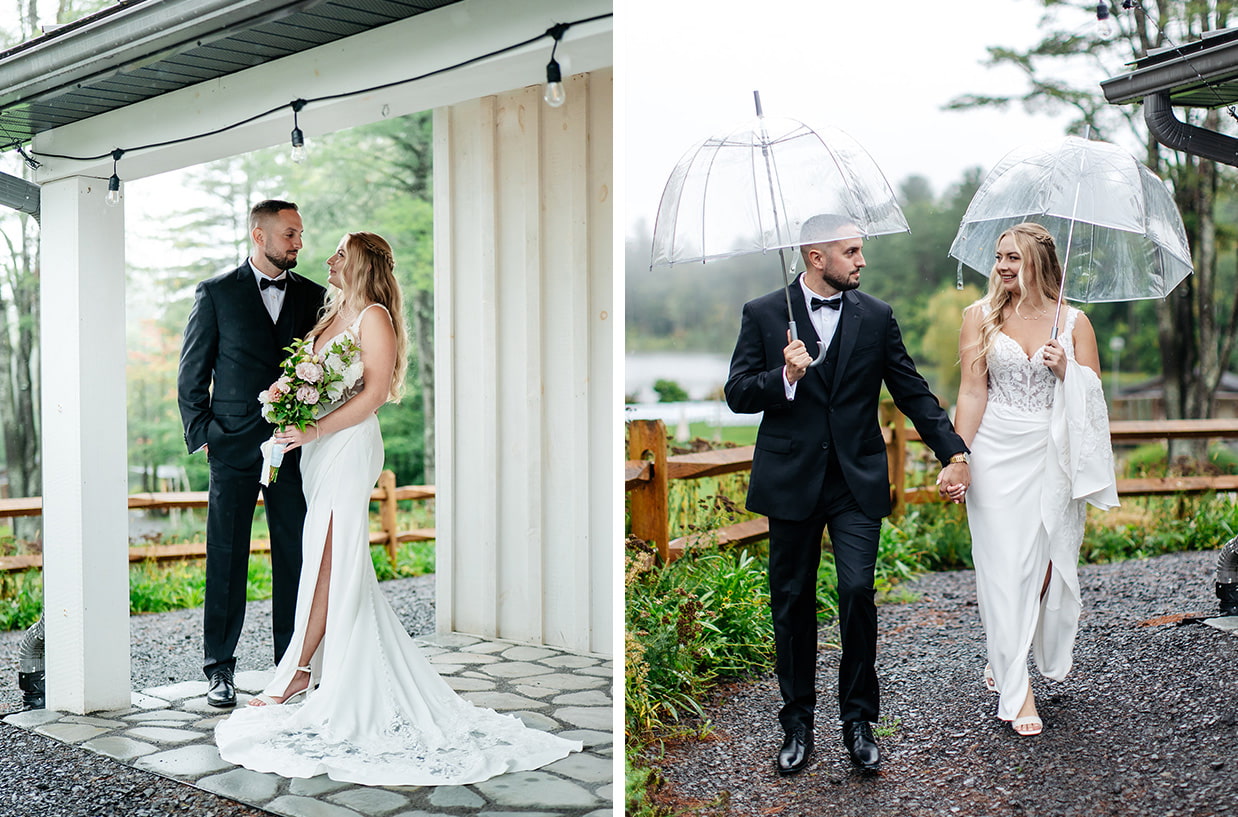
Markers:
point(1022, 383)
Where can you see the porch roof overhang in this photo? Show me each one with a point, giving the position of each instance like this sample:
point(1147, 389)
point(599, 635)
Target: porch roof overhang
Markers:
point(1200, 74)
point(140, 49)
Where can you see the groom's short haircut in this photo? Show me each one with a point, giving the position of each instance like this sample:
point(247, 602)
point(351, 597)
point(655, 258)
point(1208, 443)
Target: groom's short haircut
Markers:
point(826, 227)
point(265, 209)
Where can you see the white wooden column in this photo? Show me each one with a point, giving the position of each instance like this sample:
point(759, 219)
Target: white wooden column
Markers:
point(524, 350)
point(85, 482)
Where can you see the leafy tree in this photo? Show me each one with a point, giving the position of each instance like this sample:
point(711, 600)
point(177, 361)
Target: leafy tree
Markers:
point(1195, 324)
point(20, 308)
point(944, 315)
point(669, 391)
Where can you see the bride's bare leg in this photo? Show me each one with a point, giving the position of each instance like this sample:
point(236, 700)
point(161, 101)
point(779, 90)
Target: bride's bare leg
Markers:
point(1044, 588)
point(316, 627)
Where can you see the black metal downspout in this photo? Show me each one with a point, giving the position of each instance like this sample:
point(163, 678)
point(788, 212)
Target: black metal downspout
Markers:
point(1172, 132)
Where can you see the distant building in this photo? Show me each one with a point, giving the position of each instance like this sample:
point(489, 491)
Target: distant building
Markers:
point(1146, 400)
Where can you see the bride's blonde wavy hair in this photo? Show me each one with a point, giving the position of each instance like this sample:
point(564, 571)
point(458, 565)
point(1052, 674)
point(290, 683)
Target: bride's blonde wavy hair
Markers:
point(1039, 270)
point(369, 278)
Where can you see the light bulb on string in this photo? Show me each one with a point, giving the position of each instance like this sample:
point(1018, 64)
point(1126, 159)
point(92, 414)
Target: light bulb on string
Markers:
point(555, 94)
point(298, 154)
point(1104, 23)
point(113, 184)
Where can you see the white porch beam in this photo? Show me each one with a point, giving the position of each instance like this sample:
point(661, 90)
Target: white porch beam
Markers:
point(85, 466)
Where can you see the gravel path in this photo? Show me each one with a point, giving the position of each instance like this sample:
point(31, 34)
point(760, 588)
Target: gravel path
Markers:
point(42, 777)
point(1146, 723)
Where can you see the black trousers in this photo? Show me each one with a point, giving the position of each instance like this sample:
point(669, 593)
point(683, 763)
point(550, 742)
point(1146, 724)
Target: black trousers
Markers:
point(231, 501)
point(794, 555)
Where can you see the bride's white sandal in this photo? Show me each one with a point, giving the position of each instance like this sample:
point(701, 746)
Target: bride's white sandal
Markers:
point(1033, 721)
point(268, 700)
point(990, 683)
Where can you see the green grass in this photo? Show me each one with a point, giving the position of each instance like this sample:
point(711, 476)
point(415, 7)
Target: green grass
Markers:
point(157, 587)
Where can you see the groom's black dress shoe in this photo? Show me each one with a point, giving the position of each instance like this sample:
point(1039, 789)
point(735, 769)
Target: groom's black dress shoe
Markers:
point(222, 691)
point(858, 738)
point(796, 747)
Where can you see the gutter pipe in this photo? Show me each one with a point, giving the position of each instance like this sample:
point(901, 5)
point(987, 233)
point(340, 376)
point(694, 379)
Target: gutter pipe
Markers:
point(1172, 132)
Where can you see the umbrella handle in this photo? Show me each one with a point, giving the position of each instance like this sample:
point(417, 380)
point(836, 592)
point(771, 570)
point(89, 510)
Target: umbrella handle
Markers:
point(821, 347)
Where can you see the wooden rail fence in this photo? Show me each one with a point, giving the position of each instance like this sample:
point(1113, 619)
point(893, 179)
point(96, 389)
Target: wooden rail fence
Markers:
point(648, 471)
point(386, 494)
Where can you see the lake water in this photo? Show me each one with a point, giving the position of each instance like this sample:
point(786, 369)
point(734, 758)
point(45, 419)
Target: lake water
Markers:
point(700, 374)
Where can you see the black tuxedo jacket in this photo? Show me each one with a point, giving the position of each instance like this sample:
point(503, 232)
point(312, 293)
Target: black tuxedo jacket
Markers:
point(793, 442)
point(231, 352)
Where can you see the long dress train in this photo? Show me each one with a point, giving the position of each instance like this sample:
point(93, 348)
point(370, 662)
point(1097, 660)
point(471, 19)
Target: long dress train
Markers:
point(1026, 510)
point(380, 714)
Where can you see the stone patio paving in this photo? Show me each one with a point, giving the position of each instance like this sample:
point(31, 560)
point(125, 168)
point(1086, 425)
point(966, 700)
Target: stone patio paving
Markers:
point(169, 731)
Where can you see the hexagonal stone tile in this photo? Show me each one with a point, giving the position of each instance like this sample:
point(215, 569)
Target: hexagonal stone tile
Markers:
point(456, 797)
point(593, 697)
point(590, 717)
point(536, 789)
point(33, 717)
point(449, 640)
point(591, 738)
point(165, 715)
point(187, 761)
point(163, 734)
point(243, 785)
point(566, 682)
point(462, 684)
point(502, 700)
point(516, 669)
point(307, 807)
point(584, 767)
point(487, 647)
point(535, 720)
point(370, 800)
point(570, 661)
point(119, 748)
point(466, 658)
point(70, 732)
point(529, 653)
point(314, 786)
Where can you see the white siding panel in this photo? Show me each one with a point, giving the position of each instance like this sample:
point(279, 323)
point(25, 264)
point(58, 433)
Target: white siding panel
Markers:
point(525, 482)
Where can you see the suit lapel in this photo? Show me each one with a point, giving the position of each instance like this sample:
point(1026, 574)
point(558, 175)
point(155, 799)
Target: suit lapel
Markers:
point(848, 330)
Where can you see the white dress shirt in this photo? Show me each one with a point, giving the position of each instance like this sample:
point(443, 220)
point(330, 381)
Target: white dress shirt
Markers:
point(272, 297)
point(824, 321)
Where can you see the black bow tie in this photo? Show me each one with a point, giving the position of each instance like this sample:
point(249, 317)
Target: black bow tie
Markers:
point(283, 282)
point(832, 303)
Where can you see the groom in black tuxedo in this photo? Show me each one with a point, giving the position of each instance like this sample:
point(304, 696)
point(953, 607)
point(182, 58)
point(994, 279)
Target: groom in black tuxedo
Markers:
point(234, 344)
point(820, 461)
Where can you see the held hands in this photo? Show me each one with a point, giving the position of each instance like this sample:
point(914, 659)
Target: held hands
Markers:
point(953, 481)
point(1055, 358)
point(797, 359)
point(292, 437)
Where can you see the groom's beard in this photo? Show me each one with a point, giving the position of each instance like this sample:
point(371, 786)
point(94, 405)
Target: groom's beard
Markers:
point(283, 262)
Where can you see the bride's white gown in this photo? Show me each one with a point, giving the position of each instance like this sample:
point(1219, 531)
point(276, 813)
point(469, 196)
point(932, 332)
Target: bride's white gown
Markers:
point(1025, 514)
point(380, 715)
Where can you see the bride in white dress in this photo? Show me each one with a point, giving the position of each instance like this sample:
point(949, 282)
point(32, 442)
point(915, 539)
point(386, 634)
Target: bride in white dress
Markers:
point(1032, 412)
point(353, 697)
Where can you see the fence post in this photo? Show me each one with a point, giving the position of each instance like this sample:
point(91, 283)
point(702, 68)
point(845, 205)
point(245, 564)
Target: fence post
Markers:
point(647, 502)
point(387, 509)
point(896, 457)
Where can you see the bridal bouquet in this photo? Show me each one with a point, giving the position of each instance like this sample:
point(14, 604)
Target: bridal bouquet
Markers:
point(310, 383)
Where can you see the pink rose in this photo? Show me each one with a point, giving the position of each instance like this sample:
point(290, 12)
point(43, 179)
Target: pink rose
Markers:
point(307, 395)
point(309, 372)
point(279, 388)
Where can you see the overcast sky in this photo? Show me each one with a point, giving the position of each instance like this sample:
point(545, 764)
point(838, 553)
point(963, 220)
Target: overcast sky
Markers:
point(881, 71)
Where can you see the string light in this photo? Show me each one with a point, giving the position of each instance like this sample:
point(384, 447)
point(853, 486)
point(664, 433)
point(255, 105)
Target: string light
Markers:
point(555, 94)
point(113, 184)
point(551, 32)
point(298, 138)
point(1104, 24)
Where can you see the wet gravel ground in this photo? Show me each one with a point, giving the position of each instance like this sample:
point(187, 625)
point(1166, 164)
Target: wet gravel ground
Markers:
point(1145, 724)
point(41, 777)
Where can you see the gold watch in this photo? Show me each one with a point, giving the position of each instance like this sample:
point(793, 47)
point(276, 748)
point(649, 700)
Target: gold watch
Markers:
point(962, 457)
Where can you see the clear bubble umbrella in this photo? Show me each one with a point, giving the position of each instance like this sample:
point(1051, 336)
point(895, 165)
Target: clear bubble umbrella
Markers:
point(753, 189)
point(1114, 221)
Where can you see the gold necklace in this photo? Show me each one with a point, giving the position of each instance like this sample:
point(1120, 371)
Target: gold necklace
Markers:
point(1035, 317)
